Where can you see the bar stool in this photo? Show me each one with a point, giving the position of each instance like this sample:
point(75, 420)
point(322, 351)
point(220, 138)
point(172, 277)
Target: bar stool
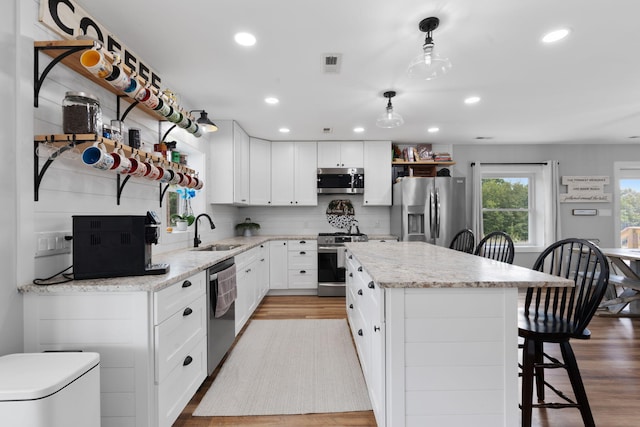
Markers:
point(555, 315)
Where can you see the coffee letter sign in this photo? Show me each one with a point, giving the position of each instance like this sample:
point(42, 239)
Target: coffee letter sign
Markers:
point(70, 21)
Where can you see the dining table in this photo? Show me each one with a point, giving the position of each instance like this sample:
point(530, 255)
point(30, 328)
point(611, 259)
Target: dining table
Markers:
point(625, 276)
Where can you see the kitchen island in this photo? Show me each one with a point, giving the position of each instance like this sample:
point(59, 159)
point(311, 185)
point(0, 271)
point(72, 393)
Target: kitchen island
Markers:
point(436, 333)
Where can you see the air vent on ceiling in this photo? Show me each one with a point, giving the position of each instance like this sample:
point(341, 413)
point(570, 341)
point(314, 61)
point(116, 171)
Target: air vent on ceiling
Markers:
point(331, 62)
point(327, 130)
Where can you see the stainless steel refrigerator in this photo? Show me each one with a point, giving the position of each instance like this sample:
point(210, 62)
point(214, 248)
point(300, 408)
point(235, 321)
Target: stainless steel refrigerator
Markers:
point(429, 210)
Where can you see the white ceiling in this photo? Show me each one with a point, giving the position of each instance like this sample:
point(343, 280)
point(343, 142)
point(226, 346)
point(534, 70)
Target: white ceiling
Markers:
point(584, 89)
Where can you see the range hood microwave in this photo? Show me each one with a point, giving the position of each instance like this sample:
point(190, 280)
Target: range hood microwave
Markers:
point(340, 180)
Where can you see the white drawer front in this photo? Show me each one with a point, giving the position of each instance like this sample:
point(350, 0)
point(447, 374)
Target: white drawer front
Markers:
point(303, 279)
point(169, 300)
point(302, 244)
point(178, 334)
point(175, 391)
point(303, 259)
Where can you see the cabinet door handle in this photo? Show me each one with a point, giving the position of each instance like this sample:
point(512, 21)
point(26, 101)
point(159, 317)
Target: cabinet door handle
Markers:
point(187, 311)
point(186, 284)
point(303, 253)
point(359, 291)
point(360, 268)
point(187, 361)
point(350, 256)
point(376, 328)
point(351, 306)
point(350, 274)
point(360, 332)
point(371, 285)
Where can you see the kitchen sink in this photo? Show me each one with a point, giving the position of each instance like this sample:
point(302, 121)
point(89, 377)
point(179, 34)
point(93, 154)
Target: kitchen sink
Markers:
point(217, 247)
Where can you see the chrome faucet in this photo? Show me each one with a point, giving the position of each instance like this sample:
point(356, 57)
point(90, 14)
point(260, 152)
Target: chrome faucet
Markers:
point(196, 239)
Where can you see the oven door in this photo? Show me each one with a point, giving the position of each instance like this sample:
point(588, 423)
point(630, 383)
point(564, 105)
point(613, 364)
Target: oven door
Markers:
point(331, 270)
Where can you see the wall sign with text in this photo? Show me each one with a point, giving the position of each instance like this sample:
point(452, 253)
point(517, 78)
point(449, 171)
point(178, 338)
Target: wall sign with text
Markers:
point(581, 189)
point(69, 20)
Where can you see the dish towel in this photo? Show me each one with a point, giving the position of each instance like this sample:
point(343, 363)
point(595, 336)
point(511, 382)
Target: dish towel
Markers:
point(227, 290)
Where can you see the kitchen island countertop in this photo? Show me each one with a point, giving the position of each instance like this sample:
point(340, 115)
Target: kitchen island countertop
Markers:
point(422, 265)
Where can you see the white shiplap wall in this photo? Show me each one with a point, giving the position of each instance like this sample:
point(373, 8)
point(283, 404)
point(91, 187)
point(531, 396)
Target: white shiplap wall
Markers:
point(71, 188)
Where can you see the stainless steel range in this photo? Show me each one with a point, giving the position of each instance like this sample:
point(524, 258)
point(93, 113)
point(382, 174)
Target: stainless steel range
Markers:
point(331, 257)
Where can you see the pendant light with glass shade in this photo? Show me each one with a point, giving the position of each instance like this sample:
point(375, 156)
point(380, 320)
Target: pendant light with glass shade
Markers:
point(428, 65)
point(389, 119)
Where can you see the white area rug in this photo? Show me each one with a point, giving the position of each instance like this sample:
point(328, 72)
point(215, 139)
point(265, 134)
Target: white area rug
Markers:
point(289, 367)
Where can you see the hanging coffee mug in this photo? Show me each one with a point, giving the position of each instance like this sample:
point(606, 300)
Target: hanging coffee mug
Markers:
point(121, 163)
point(167, 176)
point(200, 184)
point(138, 167)
point(95, 61)
point(153, 173)
point(177, 177)
point(97, 156)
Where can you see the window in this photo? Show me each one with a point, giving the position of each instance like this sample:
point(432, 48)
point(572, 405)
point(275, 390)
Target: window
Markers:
point(506, 207)
point(627, 199)
point(518, 199)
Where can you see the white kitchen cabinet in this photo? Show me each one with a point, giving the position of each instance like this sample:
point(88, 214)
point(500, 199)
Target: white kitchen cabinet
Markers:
point(365, 314)
point(278, 264)
point(340, 154)
point(377, 173)
point(293, 174)
point(302, 263)
point(248, 265)
point(260, 172)
point(229, 165)
point(263, 270)
point(152, 345)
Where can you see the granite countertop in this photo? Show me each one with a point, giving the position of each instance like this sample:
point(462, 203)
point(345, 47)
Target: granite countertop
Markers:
point(422, 265)
point(182, 264)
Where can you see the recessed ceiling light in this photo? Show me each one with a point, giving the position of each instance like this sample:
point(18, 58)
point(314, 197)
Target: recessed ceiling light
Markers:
point(245, 39)
point(555, 35)
point(284, 130)
point(271, 100)
point(433, 129)
point(472, 100)
point(358, 130)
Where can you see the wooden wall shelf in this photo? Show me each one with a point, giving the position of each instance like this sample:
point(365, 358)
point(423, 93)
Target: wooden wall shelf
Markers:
point(421, 168)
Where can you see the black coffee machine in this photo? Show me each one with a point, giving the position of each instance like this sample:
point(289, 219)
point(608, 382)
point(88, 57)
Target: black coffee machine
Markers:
point(115, 245)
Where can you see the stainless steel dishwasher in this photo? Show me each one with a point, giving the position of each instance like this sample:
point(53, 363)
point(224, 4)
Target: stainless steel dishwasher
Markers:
point(221, 331)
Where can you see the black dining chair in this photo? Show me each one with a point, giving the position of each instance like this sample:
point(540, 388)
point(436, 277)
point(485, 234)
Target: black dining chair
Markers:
point(556, 315)
point(496, 245)
point(463, 241)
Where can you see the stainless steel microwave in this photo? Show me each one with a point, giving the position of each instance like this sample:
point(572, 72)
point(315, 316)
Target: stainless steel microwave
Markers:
point(340, 180)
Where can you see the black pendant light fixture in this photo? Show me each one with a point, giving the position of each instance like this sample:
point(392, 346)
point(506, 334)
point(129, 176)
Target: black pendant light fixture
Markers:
point(389, 119)
point(428, 65)
point(204, 122)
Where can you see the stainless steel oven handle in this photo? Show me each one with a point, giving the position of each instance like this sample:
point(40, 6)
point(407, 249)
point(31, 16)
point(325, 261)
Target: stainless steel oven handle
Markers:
point(329, 249)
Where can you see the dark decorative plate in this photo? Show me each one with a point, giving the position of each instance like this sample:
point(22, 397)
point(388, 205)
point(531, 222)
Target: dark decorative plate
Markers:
point(340, 213)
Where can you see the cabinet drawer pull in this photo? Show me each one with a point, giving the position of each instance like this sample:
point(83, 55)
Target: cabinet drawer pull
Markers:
point(187, 311)
point(360, 332)
point(187, 361)
point(186, 284)
point(303, 272)
point(359, 291)
point(371, 285)
point(351, 306)
point(303, 253)
point(360, 268)
point(376, 328)
point(303, 242)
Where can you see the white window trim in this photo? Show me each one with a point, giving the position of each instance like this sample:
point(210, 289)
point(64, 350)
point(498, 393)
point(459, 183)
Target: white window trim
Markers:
point(620, 172)
point(537, 187)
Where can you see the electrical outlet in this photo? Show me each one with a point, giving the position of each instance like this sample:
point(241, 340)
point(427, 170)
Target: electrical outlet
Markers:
point(52, 243)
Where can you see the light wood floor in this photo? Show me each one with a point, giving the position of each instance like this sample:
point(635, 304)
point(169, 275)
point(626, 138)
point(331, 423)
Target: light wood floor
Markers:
point(609, 362)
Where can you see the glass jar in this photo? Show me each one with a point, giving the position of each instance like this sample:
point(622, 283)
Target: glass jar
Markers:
point(81, 113)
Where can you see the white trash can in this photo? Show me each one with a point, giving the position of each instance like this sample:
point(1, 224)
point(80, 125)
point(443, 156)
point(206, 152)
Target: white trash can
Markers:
point(58, 389)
